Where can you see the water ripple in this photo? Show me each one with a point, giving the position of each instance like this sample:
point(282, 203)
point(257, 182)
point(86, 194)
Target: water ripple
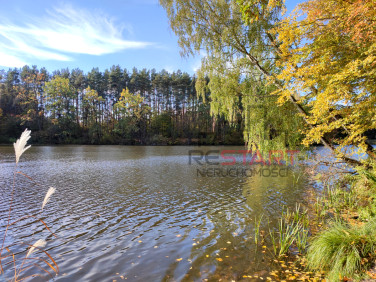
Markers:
point(133, 211)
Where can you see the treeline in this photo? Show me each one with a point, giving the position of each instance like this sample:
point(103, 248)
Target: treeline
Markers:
point(111, 107)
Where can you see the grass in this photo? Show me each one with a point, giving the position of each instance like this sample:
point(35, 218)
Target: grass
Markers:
point(344, 250)
point(336, 237)
point(284, 238)
point(14, 262)
point(257, 229)
point(292, 231)
point(290, 234)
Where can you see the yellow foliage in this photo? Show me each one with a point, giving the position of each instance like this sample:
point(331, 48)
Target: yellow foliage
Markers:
point(328, 54)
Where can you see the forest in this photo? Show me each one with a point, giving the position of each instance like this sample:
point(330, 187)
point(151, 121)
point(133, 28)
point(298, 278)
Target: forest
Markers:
point(112, 107)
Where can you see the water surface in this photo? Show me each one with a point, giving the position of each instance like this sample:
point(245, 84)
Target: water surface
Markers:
point(142, 213)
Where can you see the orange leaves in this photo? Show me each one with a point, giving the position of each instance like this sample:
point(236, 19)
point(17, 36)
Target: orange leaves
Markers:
point(361, 24)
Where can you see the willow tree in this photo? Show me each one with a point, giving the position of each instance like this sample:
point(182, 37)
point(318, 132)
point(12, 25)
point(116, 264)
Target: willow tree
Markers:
point(243, 51)
point(238, 57)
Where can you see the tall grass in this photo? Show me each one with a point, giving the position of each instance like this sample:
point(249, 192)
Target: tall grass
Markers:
point(13, 262)
point(344, 250)
point(257, 229)
point(291, 232)
point(284, 238)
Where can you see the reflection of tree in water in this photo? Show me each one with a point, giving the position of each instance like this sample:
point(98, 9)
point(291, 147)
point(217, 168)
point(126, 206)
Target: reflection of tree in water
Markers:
point(269, 195)
point(224, 247)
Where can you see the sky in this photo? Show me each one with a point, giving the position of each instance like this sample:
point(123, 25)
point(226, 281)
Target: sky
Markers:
point(90, 33)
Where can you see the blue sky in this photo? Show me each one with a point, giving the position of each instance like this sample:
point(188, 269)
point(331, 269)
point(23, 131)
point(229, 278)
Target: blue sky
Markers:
point(90, 33)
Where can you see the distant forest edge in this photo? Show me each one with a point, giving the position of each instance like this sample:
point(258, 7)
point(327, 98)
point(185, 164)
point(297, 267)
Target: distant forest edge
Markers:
point(116, 106)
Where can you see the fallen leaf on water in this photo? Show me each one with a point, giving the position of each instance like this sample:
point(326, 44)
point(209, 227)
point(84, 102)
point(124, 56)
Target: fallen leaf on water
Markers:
point(219, 259)
point(178, 235)
point(140, 241)
point(179, 259)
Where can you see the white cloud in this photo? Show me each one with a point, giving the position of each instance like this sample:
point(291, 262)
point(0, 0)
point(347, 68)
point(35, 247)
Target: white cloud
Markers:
point(64, 30)
point(10, 61)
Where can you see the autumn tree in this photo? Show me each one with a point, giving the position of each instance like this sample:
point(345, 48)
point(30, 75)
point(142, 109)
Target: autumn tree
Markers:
point(328, 52)
point(252, 54)
point(60, 96)
point(90, 107)
point(133, 113)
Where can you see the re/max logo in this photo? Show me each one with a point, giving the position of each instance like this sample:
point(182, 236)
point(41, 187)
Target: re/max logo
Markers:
point(227, 157)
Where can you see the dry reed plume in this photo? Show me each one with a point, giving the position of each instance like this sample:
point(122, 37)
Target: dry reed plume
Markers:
point(17, 262)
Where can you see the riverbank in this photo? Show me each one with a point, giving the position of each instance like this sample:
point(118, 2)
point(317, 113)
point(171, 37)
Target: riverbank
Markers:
point(158, 140)
point(331, 236)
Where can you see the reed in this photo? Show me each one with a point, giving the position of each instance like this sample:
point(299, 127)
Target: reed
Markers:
point(257, 229)
point(14, 262)
point(291, 232)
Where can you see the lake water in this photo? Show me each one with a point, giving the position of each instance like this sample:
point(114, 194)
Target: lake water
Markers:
point(143, 213)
